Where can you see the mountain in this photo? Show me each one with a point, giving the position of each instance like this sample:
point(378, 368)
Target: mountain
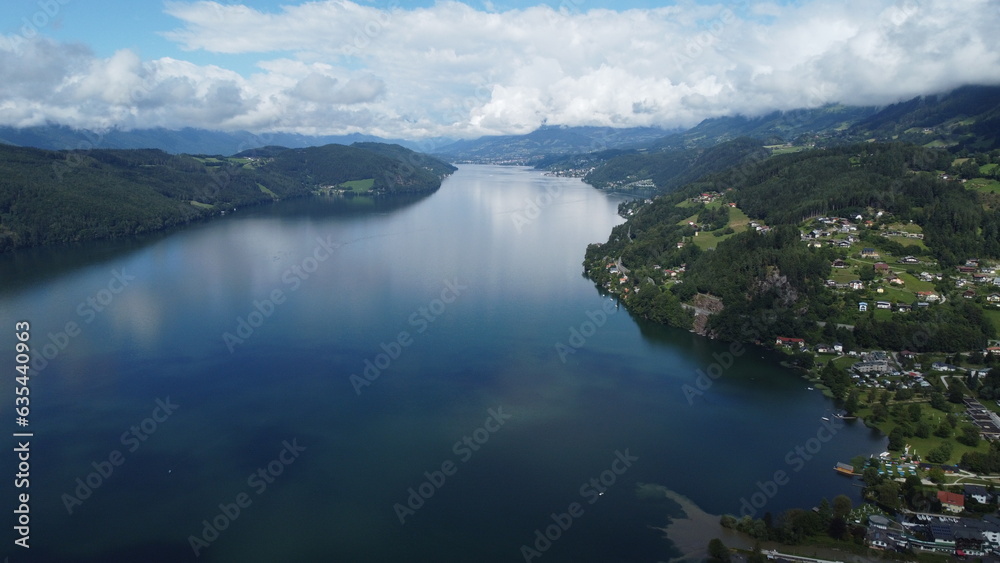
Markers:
point(966, 118)
point(775, 128)
point(183, 141)
point(758, 239)
point(51, 197)
point(670, 168)
point(548, 140)
point(391, 168)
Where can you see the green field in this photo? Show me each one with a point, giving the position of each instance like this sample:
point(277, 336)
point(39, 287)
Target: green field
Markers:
point(984, 185)
point(358, 186)
point(200, 205)
point(267, 191)
point(924, 445)
point(993, 315)
point(706, 240)
point(783, 149)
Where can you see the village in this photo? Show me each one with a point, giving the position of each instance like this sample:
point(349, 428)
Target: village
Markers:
point(884, 269)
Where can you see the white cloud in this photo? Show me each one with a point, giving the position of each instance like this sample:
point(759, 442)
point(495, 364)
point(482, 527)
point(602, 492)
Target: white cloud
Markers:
point(335, 66)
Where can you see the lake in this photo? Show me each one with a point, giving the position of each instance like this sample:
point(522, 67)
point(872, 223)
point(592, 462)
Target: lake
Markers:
point(424, 378)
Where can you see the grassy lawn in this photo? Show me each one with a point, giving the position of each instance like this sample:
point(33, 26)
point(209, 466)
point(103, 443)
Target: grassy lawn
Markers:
point(267, 191)
point(993, 314)
point(907, 241)
point(200, 205)
point(738, 220)
point(984, 185)
point(882, 314)
point(896, 295)
point(924, 445)
point(913, 284)
point(359, 186)
point(843, 275)
point(988, 168)
point(782, 149)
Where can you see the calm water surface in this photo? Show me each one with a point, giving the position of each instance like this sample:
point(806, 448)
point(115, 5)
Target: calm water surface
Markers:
point(454, 303)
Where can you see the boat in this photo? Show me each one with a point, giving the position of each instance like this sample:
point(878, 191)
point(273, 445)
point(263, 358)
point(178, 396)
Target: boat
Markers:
point(825, 418)
point(844, 469)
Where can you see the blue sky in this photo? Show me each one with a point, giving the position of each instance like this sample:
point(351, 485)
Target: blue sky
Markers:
point(419, 69)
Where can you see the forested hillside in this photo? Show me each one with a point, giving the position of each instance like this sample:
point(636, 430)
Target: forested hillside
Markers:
point(761, 269)
point(50, 197)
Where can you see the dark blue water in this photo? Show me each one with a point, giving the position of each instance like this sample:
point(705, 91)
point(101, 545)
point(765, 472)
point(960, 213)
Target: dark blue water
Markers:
point(260, 327)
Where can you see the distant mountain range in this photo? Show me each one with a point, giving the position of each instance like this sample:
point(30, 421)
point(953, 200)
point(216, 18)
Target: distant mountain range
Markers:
point(183, 141)
point(547, 141)
point(966, 119)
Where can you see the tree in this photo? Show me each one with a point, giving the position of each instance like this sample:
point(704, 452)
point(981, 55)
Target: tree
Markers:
point(955, 394)
point(943, 430)
point(923, 429)
point(970, 436)
point(936, 474)
point(939, 402)
point(718, 552)
point(940, 454)
point(915, 412)
point(825, 511)
point(852, 405)
point(897, 439)
point(757, 555)
point(842, 506)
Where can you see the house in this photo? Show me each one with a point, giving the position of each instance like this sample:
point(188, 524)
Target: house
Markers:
point(878, 522)
point(838, 347)
point(839, 263)
point(881, 267)
point(995, 350)
point(927, 296)
point(910, 260)
point(908, 355)
point(871, 367)
point(896, 280)
point(951, 502)
point(970, 294)
point(824, 349)
point(903, 308)
point(790, 342)
point(941, 366)
point(857, 284)
point(978, 493)
point(966, 269)
point(994, 298)
point(862, 306)
point(869, 253)
point(883, 305)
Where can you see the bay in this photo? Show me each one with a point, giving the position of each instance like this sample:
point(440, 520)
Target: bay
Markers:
point(467, 308)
